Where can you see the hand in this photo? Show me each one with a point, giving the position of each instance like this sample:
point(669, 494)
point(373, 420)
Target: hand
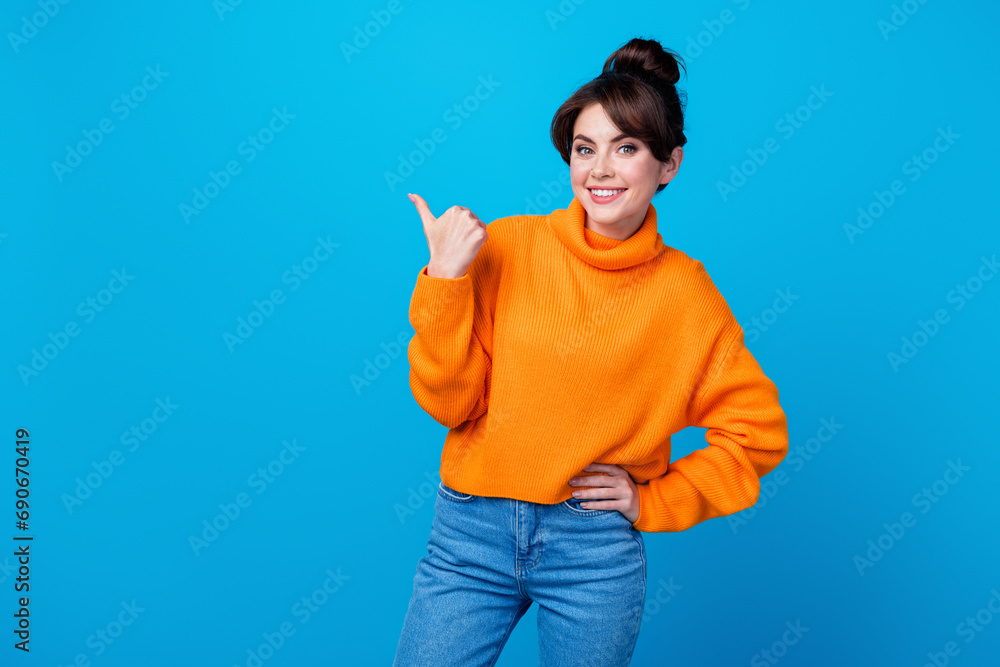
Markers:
point(454, 239)
point(614, 491)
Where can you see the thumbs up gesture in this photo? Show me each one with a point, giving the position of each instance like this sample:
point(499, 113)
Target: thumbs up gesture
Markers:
point(454, 239)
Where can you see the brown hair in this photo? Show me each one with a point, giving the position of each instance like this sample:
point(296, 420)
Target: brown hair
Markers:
point(637, 91)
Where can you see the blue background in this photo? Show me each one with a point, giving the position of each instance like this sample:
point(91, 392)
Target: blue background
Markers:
point(366, 448)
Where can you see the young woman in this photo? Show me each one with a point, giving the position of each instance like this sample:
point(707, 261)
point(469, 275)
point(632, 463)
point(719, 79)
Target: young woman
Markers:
point(562, 351)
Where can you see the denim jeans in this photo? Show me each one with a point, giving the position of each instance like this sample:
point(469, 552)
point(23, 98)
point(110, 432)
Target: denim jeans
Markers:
point(489, 558)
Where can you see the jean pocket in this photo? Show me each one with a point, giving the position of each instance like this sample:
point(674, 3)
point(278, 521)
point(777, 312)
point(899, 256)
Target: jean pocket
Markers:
point(451, 494)
point(572, 506)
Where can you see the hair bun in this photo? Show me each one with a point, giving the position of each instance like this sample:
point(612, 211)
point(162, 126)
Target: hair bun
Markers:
point(646, 59)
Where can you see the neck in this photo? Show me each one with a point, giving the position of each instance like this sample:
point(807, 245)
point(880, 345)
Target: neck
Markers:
point(570, 226)
point(621, 230)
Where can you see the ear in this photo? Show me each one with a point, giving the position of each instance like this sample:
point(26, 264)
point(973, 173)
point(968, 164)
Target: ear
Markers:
point(669, 168)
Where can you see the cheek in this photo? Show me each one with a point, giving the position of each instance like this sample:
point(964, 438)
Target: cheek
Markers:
point(640, 173)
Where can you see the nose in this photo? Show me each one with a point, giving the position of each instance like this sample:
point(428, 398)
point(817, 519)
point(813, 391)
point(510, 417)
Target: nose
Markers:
point(602, 166)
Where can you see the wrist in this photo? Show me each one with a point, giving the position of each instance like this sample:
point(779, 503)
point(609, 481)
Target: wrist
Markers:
point(436, 271)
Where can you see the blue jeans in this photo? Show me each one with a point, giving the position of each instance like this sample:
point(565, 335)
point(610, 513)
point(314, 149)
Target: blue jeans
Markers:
point(489, 558)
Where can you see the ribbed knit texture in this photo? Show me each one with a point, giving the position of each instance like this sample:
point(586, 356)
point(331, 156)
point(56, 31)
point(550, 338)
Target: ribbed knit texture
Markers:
point(560, 347)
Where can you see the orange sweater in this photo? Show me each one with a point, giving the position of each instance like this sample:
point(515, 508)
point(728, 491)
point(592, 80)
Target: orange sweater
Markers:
point(560, 347)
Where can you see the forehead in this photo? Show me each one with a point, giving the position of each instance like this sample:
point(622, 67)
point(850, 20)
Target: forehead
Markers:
point(594, 122)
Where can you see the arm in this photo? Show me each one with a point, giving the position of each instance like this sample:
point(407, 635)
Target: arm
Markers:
point(747, 434)
point(451, 352)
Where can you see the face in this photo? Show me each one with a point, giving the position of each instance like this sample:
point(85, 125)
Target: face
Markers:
point(603, 158)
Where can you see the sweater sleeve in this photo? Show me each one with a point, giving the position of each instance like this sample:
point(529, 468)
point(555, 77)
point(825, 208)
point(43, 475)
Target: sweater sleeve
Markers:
point(747, 435)
point(451, 352)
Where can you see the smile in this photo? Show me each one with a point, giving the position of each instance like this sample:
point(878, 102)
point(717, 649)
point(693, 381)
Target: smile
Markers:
point(605, 195)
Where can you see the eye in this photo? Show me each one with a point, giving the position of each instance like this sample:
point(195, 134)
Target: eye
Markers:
point(580, 149)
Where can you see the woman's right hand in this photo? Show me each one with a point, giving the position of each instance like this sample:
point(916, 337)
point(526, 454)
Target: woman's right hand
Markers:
point(454, 239)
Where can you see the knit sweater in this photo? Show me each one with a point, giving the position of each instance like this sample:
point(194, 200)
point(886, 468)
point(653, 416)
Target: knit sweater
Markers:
point(560, 347)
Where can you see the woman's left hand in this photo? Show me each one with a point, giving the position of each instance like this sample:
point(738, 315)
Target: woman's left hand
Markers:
point(613, 491)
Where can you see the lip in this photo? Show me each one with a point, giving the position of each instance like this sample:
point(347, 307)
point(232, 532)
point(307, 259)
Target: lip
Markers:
point(605, 200)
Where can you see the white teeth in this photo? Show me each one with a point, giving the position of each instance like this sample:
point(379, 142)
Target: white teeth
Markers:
point(607, 193)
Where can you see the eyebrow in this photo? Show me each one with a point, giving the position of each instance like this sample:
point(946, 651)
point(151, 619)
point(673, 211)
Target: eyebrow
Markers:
point(591, 141)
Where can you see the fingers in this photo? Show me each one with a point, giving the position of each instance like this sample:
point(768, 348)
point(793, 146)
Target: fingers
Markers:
point(606, 468)
point(428, 217)
point(425, 212)
point(612, 493)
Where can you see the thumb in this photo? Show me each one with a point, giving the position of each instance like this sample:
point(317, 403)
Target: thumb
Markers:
point(425, 213)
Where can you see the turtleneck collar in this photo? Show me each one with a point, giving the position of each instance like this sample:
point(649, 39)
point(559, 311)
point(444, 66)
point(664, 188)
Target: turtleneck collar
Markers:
point(602, 251)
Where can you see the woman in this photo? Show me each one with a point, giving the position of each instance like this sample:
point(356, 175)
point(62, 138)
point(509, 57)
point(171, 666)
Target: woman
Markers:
point(562, 351)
